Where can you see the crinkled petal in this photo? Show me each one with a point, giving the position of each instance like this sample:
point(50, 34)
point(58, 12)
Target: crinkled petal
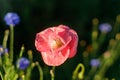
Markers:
point(73, 44)
point(64, 34)
point(41, 41)
point(55, 59)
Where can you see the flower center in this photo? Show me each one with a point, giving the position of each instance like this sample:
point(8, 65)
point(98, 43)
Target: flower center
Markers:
point(56, 43)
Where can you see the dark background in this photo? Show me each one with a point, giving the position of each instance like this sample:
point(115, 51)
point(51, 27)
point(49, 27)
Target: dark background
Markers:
point(36, 15)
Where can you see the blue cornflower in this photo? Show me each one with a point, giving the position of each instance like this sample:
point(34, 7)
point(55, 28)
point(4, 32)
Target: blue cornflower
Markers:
point(23, 63)
point(94, 62)
point(11, 19)
point(105, 27)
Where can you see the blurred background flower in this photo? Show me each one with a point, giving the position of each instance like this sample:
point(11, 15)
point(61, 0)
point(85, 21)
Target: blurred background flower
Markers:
point(94, 62)
point(105, 27)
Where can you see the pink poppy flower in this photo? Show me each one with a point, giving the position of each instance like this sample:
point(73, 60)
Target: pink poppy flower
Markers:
point(56, 44)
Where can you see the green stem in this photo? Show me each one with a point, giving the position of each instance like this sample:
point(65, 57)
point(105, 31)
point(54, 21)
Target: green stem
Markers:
point(52, 72)
point(30, 55)
point(94, 43)
point(0, 60)
point(29, 70)
point(101, 38)
point(28, 73)
point(1, 76)
point(21, 51)
point(40, 71)
point(5, 38)
point(11, 41)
